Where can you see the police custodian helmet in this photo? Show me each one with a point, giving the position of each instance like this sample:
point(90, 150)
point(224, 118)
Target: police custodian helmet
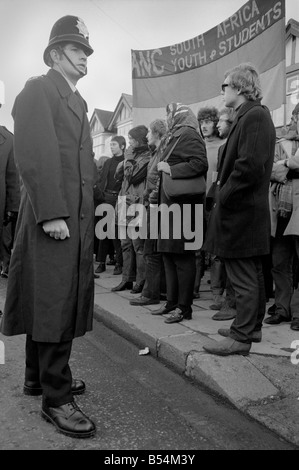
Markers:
point(68, 29)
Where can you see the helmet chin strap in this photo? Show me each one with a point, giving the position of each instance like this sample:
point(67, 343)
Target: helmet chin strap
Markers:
point(75, 67)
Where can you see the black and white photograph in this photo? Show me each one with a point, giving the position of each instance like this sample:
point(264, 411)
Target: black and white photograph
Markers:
point(149, 228)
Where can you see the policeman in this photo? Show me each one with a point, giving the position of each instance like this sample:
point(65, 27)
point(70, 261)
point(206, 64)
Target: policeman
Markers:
point(50, 291)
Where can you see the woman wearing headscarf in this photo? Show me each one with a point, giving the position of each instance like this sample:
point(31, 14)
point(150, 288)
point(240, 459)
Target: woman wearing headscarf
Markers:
point(186, 158)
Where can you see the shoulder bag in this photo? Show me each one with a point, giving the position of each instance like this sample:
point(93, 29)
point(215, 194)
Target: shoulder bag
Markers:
point(182, 187)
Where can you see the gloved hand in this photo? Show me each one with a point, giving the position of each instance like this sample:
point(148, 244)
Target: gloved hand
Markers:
point(279, 172)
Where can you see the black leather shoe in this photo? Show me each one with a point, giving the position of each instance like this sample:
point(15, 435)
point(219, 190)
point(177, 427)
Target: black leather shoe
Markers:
point(166, 308)
point(144, 301)
point(69, 420)
point(34, 389)
point(117, 270)
point(276, 319)
point(124, 285)
point(295, 324)
point(137, 289)
point(272, 309)
point(101, 268)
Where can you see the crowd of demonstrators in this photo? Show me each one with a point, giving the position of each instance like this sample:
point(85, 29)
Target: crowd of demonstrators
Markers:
point(243, 270)
point(50, 288)
point(239, 223)
point(106, 191)
point(132, 174)
point(155, 284)
point(9, 198)
point(284, 203)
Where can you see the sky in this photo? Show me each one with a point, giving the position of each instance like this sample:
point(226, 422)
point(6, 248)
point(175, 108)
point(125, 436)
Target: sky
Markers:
point(115, 28)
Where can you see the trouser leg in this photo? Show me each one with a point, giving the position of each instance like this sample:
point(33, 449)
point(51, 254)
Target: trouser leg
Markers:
point(295, 296)
point(55, 373)
point(282, 272)
point(129, 260)
point(138, 246)
point(31, 361)
point(218, 275)
point(103, 249)
point(186, 272)
point(152, 284)
point(118, 250)
point(246, 277)
point(172, 287)
point(47, 364)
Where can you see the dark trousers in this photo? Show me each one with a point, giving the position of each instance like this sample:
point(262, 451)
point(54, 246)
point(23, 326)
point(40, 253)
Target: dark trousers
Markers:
point(7, 242)
point(155, 282)
point(47, 364)
point(180, 271)
point(247, 279)
point(104, 248)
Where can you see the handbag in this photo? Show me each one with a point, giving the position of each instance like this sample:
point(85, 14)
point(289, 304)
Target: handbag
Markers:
point(182, 187)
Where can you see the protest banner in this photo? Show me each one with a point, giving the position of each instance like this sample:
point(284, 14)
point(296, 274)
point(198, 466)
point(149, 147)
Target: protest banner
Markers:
point(191, 72)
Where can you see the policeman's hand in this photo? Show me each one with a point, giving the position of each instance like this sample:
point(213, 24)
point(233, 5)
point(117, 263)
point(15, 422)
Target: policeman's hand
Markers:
point(57, 229)
point(164, 166)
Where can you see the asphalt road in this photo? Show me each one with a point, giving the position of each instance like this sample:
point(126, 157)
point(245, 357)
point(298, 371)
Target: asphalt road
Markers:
point(136, 402)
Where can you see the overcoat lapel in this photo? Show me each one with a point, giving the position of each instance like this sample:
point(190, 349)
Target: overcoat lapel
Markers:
point(2, 138)
point(246, 107)
point(66, 92)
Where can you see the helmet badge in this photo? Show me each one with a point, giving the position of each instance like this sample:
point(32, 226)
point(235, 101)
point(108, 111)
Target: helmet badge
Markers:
point(82, 28)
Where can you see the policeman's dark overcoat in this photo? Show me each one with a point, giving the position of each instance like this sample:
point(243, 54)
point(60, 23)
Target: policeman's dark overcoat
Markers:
point(239, 223)
point(9, 180)
point(51, 285)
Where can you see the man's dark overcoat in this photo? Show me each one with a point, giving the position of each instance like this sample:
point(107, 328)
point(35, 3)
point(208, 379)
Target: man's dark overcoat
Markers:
point(51, 285)
point(9, 179)
point(239, 223)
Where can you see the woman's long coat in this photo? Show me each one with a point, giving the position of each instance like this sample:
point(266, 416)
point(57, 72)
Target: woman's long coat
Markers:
point(187, 160)
point(51, 285)
point(239, 223)
point(9, 179)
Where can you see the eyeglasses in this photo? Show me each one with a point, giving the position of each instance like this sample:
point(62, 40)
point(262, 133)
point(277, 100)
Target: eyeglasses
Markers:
point(223, 86)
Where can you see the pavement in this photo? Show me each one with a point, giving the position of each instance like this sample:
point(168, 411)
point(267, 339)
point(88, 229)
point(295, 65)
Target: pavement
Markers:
point(263, 385)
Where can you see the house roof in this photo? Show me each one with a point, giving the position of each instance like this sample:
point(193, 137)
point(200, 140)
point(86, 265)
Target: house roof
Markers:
point(126, 100)
point(103, 116)
point(292, 27)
